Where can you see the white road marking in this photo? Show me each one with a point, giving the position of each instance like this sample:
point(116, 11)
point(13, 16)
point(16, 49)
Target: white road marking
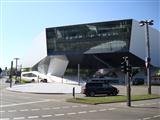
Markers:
point(92, 110)
point(24, 110)
point(56, 108)
point(44, 116)
point(35, 109)
point(2, 111)
point(12, 110)
point(101, 110)
point(31, 117)
point(84, 105)
point(146, 104)
point(59, 114)
point(111, 108)
point(71, 113)
point(19, 118)
point(82, 112)
point(4, 118)
point(25, 97)
point(141, 104)
point(147, 118)
point(65, 107)
point(74, 106)
point(156, 116)
point(46, 108)
point(123, 103)
point(26, 103)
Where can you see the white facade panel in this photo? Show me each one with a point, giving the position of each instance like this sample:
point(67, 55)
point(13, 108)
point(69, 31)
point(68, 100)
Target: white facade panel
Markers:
point(37, 51)
point(154, 46)
point(138, 44)
point(58, 65)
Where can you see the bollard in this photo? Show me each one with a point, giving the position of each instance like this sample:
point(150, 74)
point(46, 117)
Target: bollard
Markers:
point(74, 92)
point(11, 72)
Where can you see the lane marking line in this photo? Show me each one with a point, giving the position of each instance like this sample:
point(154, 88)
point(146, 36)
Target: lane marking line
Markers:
point(56, 108)
point(24, 110)
point(156, 116)
point(101, 110)
point(32, 117)
point(58, 114)
point(71, 113)
point(26, 103)
point(44, 116)
point(82, 112)
point(74, 106)
point(84, 105)
point(46, 108)
point(92, 110)
point(2, 111)
point(19, 118)
point(64, 107)
point(4, 118)
point(111, 108)
point(147, 118)
point(35, 109)
point(25, 97)
point(12, 110)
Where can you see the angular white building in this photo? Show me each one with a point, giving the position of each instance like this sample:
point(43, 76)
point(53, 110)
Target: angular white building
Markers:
point(94, 46)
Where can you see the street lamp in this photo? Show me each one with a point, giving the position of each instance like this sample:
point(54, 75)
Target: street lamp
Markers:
point(146, 23)
point(16, 65)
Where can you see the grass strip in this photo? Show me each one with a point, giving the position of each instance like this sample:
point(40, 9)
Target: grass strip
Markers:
point(111, 99)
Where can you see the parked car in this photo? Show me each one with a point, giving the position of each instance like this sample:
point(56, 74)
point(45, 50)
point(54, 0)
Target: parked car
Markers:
point(33, 76)
point(101, 87)
point(110, 80)
point(138, 81)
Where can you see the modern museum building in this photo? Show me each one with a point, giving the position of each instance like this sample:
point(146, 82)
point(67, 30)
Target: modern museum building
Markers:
point(97, 45)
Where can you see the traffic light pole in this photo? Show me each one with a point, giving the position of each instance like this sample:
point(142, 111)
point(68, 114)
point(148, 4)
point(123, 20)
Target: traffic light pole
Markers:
point(127, 69)
point(128, 84)
point(146, 23)
point(148, 60)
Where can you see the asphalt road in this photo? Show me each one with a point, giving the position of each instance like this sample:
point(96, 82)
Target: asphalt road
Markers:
point(25, 106)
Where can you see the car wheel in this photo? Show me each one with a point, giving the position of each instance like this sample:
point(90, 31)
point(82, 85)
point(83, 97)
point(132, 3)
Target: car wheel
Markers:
point(33, 80)
point(114, 93)
point(87, 94)
point(45, 80)
point(92, 94)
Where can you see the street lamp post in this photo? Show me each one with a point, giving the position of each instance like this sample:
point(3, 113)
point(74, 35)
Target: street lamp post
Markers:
point(16, 65)
point(146, 23)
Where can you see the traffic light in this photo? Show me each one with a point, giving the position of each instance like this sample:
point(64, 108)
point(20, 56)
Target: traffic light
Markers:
point(124, 66)
point(129, 70)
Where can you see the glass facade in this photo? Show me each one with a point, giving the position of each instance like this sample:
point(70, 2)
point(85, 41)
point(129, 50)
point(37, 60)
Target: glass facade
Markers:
point(103, 37)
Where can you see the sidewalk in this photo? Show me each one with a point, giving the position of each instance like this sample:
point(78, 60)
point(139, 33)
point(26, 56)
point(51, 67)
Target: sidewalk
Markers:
point(58, 88)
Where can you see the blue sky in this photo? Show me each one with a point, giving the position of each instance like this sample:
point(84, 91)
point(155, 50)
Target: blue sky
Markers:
point(21, 21)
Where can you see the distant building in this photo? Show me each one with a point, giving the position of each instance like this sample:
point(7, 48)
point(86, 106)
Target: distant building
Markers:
point(97, 45)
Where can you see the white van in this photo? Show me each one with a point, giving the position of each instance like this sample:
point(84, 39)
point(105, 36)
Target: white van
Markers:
point(33, 76)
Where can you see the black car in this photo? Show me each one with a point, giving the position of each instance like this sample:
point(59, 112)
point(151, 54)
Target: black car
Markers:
point(138, 81)
point(93, 88)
